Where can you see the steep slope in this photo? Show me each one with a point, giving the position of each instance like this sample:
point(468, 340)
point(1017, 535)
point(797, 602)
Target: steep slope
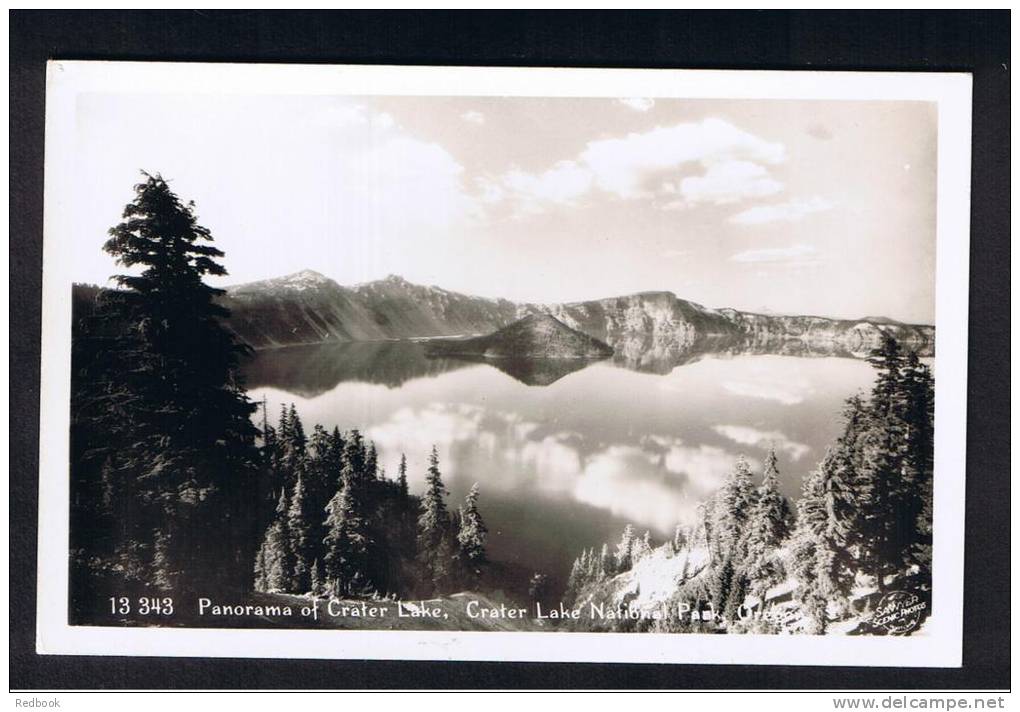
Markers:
point(302, 308)
point(536, 336)
point(308, 308)
point(648, 331)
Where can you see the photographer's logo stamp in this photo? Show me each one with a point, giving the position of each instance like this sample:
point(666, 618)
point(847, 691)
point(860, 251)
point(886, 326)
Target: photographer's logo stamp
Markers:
point(899, 612)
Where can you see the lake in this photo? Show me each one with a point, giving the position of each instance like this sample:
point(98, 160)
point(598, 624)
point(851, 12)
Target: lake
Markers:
point(567, 453)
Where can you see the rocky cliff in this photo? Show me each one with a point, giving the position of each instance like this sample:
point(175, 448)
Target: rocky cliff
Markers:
point(645, 328)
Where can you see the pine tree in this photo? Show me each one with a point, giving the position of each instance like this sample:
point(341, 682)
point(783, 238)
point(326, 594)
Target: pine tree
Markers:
point(189, 441)
point(606, 561)
point(919, 414)
point(821, 560)
point(285, 430)
point(640, 547)
point(623, 560)
point(371, 462)
point(575, 582)
point(316, 578)
point(680, 538)
point(297, 438)
point(767, 528)
point(354, 455)
point(347, 541)
point(300, 536)
point(884, 492)
point(471, 537)
point(274, 562)
point(434, 550)
point(732, 509)
point(402, 477)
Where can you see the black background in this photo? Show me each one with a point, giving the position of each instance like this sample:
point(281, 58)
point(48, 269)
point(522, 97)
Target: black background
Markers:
point(976, 42)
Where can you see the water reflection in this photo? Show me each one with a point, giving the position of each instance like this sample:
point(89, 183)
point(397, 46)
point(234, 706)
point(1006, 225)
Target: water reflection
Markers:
point(314, 369)
point(565, 465)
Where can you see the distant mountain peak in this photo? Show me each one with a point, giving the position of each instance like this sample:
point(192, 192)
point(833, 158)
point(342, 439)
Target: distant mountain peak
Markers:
point(307, 275)
point(298, 281)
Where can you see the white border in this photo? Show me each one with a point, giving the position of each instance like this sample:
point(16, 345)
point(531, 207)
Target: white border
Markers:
point(940, 647)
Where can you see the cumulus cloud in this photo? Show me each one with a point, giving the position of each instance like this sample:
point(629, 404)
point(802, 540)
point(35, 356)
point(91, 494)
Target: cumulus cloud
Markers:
point(799, 254)
point(416, 430)
point(641, 104)
point(744, 435)
point(704, 466)
point(390, 180)
point(623, 166)
point(791, 211)
point(656, 482)
point(729, 182)
point(555, 459)
point(627, 481)
point(684, 165)
point(473, 117)
point(562, 184)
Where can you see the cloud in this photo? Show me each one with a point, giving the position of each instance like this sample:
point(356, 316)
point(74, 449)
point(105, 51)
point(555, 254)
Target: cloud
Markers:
point(473, 117)
point(744, 435)
point(673, 253)
point(656, 482)
point(554, 459)
point(623, 166)
point(684, 165)
point(641, 104)
point(787, 394)
point(794, 254)
point(659, 483)
point(562, 184)
point(629, 483)
point(389, 180)
point(411, 430)
point(791, 211)
point(729, 182)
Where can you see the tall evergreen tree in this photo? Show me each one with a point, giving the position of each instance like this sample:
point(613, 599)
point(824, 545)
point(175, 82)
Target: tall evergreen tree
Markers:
point(434, 550)
point(887, 526)
point(347, 541)
point(299, 530)
point(274, 562)
point(471, 538)
point(371, 462)
point(624, 550)
point(189, 441)
point(402, 477)
point(767, 528)
point(821, 560)
point(919, 414)
point(732, 509)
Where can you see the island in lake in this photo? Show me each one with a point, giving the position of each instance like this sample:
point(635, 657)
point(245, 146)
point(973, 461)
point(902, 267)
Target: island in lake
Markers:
point(536, 336)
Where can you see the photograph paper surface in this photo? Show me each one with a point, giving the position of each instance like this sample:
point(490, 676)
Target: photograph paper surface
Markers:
point(504, 364)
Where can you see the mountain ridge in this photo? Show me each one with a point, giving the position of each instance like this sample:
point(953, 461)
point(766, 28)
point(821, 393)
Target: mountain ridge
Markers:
point(307, 308)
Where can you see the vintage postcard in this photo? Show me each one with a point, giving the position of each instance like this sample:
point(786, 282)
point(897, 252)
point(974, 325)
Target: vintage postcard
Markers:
point(504, 364)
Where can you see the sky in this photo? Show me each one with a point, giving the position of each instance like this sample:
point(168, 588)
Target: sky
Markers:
point(797, 207)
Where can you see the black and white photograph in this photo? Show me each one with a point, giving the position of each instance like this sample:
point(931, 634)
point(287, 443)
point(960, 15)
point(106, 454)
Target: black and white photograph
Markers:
point(601, 364)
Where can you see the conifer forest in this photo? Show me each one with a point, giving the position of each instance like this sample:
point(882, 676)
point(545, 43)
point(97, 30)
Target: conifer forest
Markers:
point(184, 485)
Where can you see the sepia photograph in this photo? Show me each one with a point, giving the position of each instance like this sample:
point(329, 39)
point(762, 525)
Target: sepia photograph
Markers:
point(645, 365)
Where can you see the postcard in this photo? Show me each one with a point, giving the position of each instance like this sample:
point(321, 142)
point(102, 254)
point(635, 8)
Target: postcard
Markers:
point(507, 364)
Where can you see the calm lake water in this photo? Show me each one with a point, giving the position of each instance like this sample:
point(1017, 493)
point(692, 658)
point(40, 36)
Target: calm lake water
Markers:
point(566, 454)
